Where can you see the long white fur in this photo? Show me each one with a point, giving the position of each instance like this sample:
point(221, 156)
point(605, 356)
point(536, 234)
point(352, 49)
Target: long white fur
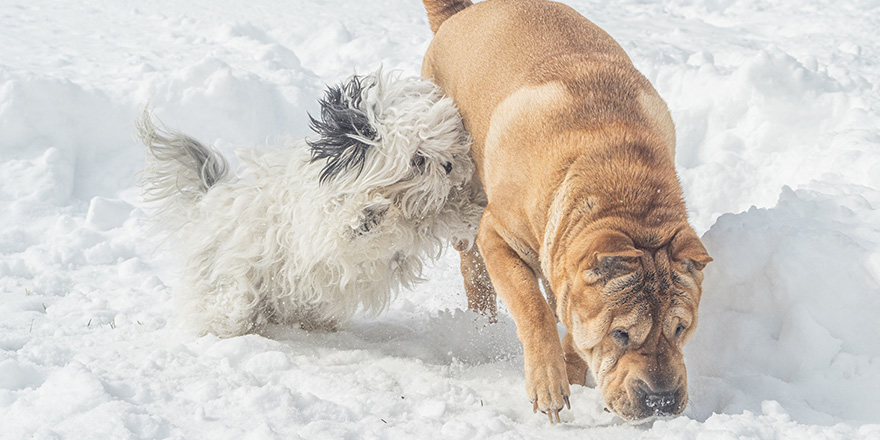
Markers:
point(273, 245)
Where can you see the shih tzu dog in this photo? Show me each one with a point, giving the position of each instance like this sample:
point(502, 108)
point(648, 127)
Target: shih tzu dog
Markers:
point(327, 227)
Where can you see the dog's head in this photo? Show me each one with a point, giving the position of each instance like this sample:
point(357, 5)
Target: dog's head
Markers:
point(395, 137)
point(630, 311)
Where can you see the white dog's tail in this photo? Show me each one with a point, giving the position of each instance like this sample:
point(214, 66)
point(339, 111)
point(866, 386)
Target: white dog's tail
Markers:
point(179, 169)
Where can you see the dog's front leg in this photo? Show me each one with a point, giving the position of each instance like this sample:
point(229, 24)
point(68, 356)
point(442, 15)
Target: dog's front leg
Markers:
point(574, 364)
point(516, 284)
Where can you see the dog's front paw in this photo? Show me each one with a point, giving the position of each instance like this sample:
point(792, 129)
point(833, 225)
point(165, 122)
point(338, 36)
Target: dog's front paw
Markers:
point(370, 219)
point(364, 215)
point(547, 381)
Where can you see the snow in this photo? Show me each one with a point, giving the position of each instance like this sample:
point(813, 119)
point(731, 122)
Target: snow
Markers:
point(778, 116)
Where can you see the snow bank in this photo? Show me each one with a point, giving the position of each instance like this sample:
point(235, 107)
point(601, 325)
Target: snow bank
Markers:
point(770, 121)
point(212, 100)
point(790, 305)
point(778, 121)
point(67, 131)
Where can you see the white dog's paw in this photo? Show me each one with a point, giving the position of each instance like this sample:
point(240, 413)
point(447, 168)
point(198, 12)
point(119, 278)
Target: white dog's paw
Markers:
point(370, 220)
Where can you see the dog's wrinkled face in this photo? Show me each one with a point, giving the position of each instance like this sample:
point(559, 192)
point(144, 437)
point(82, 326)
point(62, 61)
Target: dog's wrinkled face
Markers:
point(630, 314)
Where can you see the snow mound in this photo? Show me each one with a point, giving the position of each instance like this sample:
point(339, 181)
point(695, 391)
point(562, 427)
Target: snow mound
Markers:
point(771, 120)
point(789, 307)
point(214, 101)
point(67, 131)
point(778, 124)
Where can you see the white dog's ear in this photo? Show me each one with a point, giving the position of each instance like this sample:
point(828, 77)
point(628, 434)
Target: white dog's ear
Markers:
point(345, 130)
point(611, 254)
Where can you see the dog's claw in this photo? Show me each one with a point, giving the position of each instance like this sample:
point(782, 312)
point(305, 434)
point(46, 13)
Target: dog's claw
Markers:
point(552, 414)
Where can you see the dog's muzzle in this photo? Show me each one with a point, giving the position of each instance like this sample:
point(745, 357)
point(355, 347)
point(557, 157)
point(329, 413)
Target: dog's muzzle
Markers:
point(657, 401)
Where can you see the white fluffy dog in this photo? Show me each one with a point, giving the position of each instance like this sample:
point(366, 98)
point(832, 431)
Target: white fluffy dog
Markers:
point(314, 232)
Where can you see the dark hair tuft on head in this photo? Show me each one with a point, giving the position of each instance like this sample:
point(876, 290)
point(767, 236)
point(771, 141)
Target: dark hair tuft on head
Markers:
point(342, 128)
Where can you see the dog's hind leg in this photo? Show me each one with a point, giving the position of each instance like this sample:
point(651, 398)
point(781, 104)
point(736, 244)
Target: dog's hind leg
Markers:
point(314, 318)
point(477, 285)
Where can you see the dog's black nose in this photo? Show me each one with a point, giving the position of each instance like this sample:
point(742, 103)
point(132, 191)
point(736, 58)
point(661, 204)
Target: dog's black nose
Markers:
point(663, 404)
point(657, 400)
point(448, 167)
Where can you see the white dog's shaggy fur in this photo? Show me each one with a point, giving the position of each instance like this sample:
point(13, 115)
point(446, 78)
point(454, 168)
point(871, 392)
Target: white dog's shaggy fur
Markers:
point(311, 233)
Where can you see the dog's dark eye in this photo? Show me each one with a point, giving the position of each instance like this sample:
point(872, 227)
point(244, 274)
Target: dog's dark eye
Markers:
point(679, 330)
point(621, 337)
point(418, 162)
point(448, 167)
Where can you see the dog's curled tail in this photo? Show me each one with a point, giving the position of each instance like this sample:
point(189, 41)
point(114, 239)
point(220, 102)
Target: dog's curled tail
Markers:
point(179, 170)
point(440, 10)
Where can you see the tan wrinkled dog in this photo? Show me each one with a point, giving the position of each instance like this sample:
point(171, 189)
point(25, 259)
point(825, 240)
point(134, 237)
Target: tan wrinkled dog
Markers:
point(575, 151)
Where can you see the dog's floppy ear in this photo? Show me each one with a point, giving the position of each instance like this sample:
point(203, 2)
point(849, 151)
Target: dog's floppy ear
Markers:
point(687, 247)
point(345, 131)
point(611, 254)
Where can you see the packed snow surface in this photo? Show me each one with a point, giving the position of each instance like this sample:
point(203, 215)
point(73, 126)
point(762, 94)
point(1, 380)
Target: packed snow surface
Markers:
point(778, 120)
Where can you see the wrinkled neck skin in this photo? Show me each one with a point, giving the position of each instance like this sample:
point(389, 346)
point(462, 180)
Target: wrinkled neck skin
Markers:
point(629, 187)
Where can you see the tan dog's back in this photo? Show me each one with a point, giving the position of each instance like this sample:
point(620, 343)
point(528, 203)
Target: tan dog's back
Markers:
point(551, 42)
point(538, 86)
